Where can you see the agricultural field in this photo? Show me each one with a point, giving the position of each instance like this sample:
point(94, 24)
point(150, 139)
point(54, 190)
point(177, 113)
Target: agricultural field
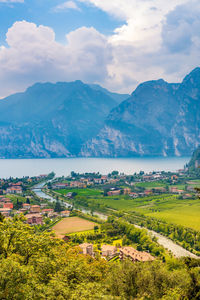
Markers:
point(81, 192)
point(188, 215)
point(149, 185)
point(72, 225)
point(167, 207)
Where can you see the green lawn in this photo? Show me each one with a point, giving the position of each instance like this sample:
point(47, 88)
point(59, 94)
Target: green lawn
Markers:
point(149, 185)
point(81, 192)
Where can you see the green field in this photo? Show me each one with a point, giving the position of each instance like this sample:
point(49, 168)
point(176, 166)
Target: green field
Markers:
point(149, 185)
point(167, 207)
point(81, 192)
point(188, 215)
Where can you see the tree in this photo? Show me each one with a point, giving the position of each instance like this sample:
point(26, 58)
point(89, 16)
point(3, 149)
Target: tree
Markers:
point(58, 207)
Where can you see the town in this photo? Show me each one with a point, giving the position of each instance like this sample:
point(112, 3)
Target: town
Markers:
point(60, 202)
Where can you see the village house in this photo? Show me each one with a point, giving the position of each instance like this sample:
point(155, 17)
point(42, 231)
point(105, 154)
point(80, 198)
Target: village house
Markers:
point(176, 191)
point(5, 211)
point(42, 205)
point(65, 213)
point(77, 184)
point(34, 219)
point(173, 190)
point(108, 250)
point(103, 179)
point(114, 193)
point(174, 177)
point(147, 177)
point(60, 185)
point(148, 192)
point(53, 214)
point(27, 206)
point(134, 255)
point(4, 199)
point(47, 211)
point(35, 209)
point(134, 195)
point(159, 189)
point(127, 191)
point(14, 190)
point(87, 249)
point(69, 195)
point(187, 196)
point(97, 180)
point(8, 205)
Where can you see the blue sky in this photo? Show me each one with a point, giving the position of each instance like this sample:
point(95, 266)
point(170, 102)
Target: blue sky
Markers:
point(62, 21)
point(115, 43)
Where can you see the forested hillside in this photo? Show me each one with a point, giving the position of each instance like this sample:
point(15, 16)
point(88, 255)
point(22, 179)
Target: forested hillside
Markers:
point(36, 266)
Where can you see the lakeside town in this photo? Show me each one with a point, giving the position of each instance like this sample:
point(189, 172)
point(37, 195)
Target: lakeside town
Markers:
point(66, 197)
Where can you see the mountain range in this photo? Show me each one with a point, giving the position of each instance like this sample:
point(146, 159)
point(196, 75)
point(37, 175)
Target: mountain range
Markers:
point(76, 119)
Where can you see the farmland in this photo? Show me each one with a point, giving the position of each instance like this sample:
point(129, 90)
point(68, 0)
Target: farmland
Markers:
point(171, 208)
point(71, 225)
point(81, 192)
point(168, 208)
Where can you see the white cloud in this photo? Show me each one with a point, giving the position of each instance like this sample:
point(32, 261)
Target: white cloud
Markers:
point(66, 6)
point(158, 40)
point(34, 55)
point(149, 45)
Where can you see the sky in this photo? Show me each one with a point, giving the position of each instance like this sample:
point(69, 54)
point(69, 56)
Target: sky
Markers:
point(115, 43)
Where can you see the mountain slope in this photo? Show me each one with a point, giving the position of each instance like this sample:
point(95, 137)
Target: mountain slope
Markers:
point(159, 119)
point(116, 97)
point(51, 120)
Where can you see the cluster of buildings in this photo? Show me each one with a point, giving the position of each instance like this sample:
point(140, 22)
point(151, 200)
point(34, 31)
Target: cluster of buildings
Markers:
point(14, 188)
point(153, 176)
point(33, 213)
point(85, 182)
point(110, 251)
point(36, 213)
point(6, 206)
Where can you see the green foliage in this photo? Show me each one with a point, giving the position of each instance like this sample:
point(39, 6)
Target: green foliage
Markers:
point(34, 266)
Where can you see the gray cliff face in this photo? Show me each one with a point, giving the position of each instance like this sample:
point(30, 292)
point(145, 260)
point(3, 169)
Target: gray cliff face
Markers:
point(159, 119)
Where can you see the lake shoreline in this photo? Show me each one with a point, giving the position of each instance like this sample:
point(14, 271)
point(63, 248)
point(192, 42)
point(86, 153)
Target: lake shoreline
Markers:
point(64, 166)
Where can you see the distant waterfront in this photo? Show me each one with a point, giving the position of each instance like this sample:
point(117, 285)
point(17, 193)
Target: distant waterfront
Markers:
point(32, 167)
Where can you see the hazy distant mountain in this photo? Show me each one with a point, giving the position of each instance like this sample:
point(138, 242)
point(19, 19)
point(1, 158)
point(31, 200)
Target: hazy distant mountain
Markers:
point(117, 97)
point(157, 119)
point(51, 120)
point(76, 119)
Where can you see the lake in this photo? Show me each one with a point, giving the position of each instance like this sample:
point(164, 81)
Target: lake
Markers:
point(63, 166)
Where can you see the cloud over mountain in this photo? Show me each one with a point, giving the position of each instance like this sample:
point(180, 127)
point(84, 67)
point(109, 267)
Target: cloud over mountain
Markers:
point(154, 40)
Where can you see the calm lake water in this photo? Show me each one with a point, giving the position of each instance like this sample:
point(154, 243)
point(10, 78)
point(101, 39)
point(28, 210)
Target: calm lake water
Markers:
point(32, 167)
